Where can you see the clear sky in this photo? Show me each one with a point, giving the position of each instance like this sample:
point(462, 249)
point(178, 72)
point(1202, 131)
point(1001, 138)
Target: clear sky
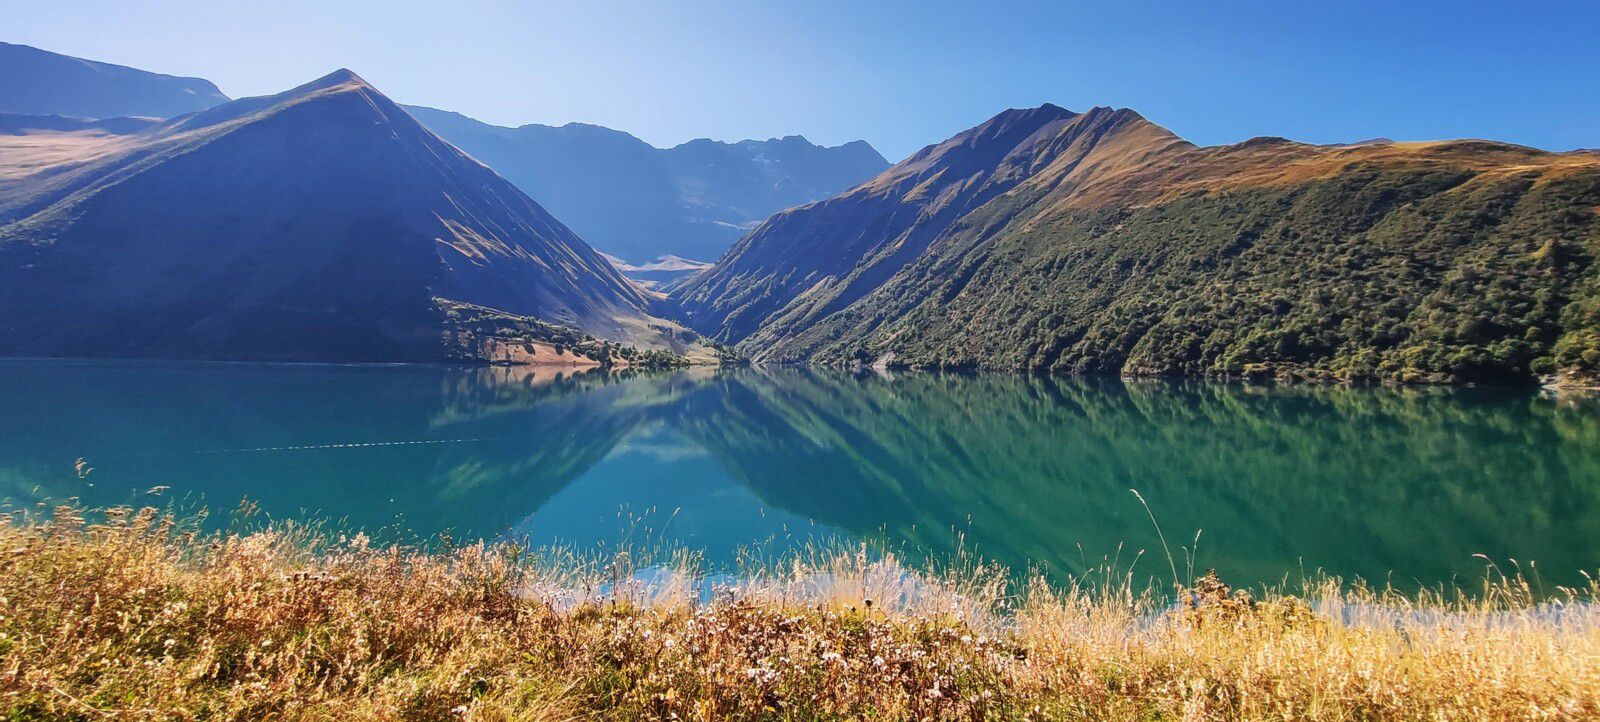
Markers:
point(900, 75)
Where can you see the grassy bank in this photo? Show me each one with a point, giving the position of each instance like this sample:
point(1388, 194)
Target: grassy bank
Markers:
point(139, 616)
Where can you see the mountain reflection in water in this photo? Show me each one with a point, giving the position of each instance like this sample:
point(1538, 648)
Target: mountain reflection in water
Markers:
point(1027, 471)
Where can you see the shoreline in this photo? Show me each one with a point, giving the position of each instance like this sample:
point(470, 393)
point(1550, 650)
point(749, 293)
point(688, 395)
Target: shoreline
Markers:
point(1565, 383)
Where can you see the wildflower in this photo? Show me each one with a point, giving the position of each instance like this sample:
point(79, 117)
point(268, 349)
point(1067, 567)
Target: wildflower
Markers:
point(761, 675)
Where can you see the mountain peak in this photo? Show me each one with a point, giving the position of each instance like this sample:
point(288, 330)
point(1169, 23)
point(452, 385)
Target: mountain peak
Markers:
point(984, 145)
point(1041, 114)
point(1014, 124)
point(335, 79)
point(336, 83)
point(342, 215)
point(343, 75)
point(341, 80)
point(1117, 112)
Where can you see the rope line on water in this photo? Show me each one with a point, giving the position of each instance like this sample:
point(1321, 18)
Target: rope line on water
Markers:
point(358, 445)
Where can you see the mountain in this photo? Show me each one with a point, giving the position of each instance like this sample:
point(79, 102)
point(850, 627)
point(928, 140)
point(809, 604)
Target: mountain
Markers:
point(38, 82)
point(638, 202)
point(323, 223)
point(660, 274)
point(630, 199)
point(1049, 240)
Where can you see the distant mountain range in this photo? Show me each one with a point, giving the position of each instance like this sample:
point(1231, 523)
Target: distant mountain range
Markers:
point(37, 82)
point(636, 201)
point(619, 193)
point(323, 223)
point(661, 274)
point(1050, 240)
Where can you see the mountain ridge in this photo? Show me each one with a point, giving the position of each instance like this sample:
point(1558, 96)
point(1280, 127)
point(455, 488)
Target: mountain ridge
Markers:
point(914, 200)
point(39, 82)
point(636, 201)
point(347, 224)
point(1048, 240)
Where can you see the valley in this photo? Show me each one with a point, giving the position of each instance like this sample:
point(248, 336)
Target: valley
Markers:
point(799, 361)
point(328, 223)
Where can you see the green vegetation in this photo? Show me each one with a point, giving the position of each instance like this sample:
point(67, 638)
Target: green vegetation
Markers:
point(651, 358)
point(139, 616)
point(1375, 274)
point(726, 355)
point(479, 334)
point(1053, 241)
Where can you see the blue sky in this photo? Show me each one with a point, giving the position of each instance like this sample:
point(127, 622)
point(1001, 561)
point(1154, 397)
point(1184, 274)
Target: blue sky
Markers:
point(900, 75)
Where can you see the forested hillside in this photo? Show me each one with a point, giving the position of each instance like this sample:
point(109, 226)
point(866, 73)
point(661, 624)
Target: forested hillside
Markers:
point(1099, 242)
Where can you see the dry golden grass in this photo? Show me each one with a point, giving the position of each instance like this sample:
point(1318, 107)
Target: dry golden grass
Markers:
point(138, 616)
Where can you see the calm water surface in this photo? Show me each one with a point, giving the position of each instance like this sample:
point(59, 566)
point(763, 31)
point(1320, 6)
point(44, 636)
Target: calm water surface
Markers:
point(1405, 484)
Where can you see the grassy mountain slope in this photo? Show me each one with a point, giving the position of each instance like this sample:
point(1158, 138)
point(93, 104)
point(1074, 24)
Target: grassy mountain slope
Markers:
point(1048, 240)
point(323, 223)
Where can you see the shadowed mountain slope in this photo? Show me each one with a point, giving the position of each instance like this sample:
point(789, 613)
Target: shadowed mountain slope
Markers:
point(323, 223)
point(639, 202)
point(38, 82)
point(1051, 240)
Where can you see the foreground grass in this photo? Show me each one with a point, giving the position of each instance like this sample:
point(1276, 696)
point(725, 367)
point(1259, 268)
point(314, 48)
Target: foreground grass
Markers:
point(140, 617)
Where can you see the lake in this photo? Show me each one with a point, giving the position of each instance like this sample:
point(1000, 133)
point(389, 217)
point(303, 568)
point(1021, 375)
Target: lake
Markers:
point(1403, 484)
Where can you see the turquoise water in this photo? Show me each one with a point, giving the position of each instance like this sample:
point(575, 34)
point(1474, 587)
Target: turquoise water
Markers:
point(1401, 484)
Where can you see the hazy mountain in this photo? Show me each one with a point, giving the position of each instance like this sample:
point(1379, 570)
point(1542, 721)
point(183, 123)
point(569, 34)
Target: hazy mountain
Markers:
point(638, 202)
point(322, 223)
point(660, 274)
point(39, 82)
point(626, 197)
point(1050, 240)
